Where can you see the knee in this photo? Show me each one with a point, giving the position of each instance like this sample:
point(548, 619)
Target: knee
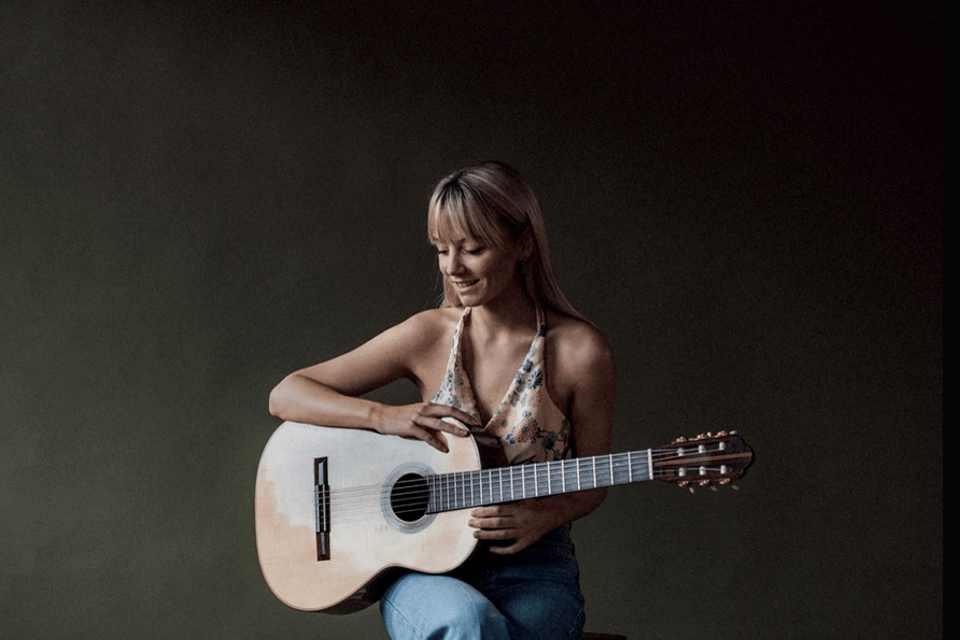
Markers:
point(474, 620)
point(440, 608)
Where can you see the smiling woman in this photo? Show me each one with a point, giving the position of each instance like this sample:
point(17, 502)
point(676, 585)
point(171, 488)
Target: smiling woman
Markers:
point(509, 357)
point(493, 206)
point(479, 273)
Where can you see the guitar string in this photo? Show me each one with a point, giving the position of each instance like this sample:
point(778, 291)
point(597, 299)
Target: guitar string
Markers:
point(554, 468)
point(368, 507)
point(460, 483)
point(417, 486)
point(479, 489)
point(375, 503)
point(551, 469)
point(413, 496)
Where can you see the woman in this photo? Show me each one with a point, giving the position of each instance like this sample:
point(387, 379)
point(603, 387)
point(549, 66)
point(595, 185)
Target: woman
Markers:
point(507, 355)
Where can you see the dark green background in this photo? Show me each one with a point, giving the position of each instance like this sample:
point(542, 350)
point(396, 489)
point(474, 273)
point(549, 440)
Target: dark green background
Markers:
point(197, 198)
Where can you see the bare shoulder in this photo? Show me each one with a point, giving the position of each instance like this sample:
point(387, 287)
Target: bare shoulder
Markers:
point(581, 376)
point(429, 326)
point(423, 338)
point(578, 344)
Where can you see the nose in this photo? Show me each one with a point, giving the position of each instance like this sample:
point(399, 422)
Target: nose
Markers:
point(454, 263)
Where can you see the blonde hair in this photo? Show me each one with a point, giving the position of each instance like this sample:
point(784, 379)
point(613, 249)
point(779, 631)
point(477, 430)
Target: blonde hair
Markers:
point(492, 203)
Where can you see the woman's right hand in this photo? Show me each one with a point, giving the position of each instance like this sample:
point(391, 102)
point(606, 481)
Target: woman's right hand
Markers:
point(424, 421)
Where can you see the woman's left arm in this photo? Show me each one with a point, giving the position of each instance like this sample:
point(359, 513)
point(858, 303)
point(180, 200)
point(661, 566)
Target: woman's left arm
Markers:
point(588, 369)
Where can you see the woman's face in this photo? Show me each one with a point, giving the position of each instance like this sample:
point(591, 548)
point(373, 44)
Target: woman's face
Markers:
point(479, 273)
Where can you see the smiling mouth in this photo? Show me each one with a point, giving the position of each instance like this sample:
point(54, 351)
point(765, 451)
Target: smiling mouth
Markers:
point(465, 283)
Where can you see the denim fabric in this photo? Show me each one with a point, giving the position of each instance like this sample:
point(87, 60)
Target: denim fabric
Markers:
point(531, 595)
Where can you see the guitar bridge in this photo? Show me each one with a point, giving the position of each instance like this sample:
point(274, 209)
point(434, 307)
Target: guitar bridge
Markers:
point(321, 493)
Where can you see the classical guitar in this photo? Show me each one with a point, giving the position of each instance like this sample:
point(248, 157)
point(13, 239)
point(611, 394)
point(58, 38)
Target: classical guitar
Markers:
point(339, 511)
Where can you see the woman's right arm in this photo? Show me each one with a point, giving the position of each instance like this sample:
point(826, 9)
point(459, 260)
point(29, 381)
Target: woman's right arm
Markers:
point(328, 393)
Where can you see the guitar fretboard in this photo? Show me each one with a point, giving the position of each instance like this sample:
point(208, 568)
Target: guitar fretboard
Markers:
point(464, 490)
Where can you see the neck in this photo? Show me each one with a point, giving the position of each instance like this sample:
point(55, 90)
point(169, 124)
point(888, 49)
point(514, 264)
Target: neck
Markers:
point(511, 311)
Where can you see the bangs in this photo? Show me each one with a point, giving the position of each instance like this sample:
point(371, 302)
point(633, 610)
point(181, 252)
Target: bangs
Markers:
point(455, 213)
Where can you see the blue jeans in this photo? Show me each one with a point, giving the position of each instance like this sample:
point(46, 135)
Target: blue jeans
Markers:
point(530, 595)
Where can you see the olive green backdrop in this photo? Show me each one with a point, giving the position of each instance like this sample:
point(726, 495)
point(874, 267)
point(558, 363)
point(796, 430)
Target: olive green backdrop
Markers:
point(197, 198)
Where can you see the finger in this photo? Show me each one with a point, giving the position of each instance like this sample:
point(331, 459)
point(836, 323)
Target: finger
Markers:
point(437, 441)
point(446, 411)
point(450, 425)
point(495, 534)
point(489, 523)
point(465, 417)
point(502, 510)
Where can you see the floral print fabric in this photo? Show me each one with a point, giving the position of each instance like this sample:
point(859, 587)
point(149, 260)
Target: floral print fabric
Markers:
point(527, 424)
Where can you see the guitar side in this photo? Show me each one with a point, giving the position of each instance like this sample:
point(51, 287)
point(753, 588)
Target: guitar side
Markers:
point(365, 541)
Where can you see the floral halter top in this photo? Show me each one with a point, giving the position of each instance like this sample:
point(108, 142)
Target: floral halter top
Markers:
point(527, 425)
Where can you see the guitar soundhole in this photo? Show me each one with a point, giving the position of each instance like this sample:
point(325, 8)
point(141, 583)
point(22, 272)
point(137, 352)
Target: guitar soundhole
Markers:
point(410, 497)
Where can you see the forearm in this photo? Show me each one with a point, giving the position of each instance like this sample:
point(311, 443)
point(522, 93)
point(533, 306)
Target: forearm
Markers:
point(568, 507)
point(300, 399)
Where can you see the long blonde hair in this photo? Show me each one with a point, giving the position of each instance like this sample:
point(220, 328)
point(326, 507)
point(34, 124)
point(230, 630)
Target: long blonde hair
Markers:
point(494, 204)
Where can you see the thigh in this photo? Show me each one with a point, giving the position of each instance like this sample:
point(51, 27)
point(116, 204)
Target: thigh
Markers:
point(438, 607)
point(538, 590)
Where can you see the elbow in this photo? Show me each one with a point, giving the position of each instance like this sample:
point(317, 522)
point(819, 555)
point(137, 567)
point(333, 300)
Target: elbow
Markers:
point(275, 403)
point(599, 496)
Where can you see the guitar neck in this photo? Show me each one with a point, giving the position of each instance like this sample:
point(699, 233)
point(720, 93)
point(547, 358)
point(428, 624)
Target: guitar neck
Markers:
point(464, 490)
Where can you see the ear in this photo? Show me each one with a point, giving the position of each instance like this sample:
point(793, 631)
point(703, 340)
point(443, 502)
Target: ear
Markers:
point(526, 244)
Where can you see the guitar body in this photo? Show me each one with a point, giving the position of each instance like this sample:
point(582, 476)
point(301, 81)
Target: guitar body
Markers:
point(368, 542)
point(339, 512)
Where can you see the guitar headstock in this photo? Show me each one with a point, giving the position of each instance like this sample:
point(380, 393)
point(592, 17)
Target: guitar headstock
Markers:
point(705, 461)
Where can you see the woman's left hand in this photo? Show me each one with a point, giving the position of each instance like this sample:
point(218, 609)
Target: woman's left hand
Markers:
point(521, 523)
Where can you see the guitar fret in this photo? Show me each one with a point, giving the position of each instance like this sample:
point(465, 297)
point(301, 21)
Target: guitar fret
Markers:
point(463, 489)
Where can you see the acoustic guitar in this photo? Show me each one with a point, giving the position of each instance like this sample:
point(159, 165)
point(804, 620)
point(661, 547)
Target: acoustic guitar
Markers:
point(340, 511)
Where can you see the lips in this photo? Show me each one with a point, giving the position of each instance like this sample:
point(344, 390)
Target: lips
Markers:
point(464, 284)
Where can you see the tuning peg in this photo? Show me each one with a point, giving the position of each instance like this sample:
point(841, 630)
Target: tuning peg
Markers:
point(679, 440)
point(721, 434)
point(735, 487)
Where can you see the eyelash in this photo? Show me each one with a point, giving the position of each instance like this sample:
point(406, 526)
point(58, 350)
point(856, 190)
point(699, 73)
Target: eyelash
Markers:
point(472, 252)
